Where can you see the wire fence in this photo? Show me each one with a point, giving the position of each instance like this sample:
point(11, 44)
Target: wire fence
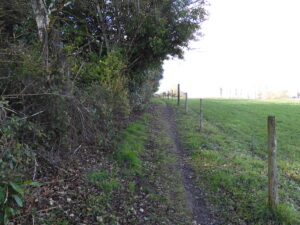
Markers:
point(270, 138)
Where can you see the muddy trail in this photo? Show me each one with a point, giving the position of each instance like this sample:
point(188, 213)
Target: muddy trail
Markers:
point(195, 197)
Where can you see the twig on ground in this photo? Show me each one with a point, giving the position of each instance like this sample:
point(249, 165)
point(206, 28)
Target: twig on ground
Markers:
point(77, 149)
point(35, 168)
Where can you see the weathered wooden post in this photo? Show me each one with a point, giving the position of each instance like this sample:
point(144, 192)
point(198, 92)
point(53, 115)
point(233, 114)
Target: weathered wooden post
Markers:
point(201, 114)
point(272, 166)
point(186, 102)
point(178, 95)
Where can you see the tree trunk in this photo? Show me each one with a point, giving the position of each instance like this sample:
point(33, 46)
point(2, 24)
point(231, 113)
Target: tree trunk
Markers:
point(103, 27)
point(42, 20)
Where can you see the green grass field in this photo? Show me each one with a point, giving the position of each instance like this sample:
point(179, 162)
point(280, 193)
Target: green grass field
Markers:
point(230, 156)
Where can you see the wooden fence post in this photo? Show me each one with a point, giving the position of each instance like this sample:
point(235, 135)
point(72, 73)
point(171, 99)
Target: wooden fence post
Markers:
point(178, 95)
point(186, 102)
point(272, 164)
point(201, 114)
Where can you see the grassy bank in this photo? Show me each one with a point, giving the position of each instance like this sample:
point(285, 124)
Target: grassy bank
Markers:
point(137, 184)
point(230, 156)
point(140, 187)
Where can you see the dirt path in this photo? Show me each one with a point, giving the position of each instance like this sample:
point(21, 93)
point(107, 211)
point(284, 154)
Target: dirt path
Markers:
point(194, 196)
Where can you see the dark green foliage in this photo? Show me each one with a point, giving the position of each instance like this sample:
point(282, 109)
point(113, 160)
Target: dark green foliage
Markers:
point(145, 32)
point(14, 157)
point(12, 198)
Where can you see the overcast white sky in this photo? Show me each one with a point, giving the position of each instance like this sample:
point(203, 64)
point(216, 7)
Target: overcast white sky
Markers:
point(247, 45)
